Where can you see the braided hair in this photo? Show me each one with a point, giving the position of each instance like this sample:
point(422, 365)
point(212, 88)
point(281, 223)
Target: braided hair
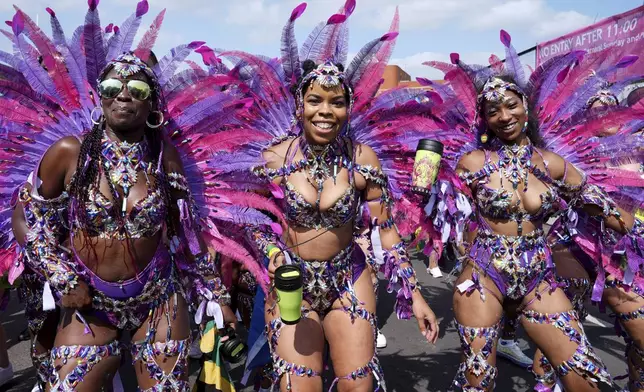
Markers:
point(88, 172)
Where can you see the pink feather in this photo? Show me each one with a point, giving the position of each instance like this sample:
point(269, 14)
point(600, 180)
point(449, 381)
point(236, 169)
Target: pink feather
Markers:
point(207, 55)
point(92, 4)
point(454, 58)
point(463, 87)
point(252, 200)
point(496, 63)
point(370, 80)
point(298, 11)
point(276, 190)
point(505, 38)
point(144, 47)
point(349, 7)
point(234, 250)
point(336, 19)
point(18, 23)
point(142, 8)
point(626, 61)
point(55, 64)
point(439, 65)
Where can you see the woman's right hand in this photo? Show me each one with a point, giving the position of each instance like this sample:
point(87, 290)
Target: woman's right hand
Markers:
point(276, 261)
point(78, 297)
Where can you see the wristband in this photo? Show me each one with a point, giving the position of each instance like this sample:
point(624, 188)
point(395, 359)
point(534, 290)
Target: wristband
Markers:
point(272, 250)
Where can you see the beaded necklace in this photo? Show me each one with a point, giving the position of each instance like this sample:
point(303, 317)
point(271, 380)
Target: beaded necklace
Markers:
point(122, 162)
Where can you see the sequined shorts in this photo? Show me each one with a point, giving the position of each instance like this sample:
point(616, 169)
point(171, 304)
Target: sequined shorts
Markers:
point(327, 280)
point(516, 264)
point(127, 304)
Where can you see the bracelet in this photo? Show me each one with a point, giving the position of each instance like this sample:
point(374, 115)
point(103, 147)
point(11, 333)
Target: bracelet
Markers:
point(272, 251)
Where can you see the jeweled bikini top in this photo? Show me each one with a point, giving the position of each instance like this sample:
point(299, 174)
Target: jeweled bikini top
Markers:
point(321, 165)
point(514, 165)
point(121, 163)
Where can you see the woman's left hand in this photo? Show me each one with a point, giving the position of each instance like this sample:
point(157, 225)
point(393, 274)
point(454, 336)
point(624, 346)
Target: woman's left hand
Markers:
point(230, 321)
point(426, 319)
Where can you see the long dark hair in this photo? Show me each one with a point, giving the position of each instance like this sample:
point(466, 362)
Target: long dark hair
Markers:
point(88, 171)
point(533, 122)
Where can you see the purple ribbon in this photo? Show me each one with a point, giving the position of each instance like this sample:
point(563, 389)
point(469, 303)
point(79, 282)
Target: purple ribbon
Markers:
point(540, 387)
point(598, 287)
point(187, 226)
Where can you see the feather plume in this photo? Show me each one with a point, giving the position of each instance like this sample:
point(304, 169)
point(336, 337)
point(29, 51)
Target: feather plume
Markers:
point(123, 41)
point(169, 63)
point(234, 250)
point(271, 83)
point(58, 34)
point(316, 46)
point(512, 61)
point(144, 47)
point(94, 47)
point(439, 65)
point(290, 58)
point(56, 68)
point(367, 86)
point(364, 56)
point(496, 64)
point(37, 77)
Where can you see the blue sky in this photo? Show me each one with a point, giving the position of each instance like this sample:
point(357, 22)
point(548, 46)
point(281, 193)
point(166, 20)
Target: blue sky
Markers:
point(430, 29)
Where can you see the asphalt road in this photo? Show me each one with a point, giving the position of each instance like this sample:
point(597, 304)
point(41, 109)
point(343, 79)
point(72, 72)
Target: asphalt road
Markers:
point(409, 363)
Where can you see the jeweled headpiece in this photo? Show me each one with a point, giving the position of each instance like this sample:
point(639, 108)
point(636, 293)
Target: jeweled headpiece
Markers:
point(605, 97)
point(494, 90)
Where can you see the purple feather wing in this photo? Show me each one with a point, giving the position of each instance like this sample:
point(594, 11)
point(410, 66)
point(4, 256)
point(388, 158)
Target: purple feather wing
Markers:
point(123, 41)
point(94, 46)
point(169, 63)
point(512, 61)
point(289, 49)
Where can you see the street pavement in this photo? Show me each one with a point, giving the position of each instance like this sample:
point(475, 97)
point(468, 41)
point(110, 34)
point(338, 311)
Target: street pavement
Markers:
point(409, 363)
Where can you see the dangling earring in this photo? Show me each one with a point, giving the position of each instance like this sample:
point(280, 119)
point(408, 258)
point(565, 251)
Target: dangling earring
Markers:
point(527, 115)
point(484, 137)
point(161, 118)
point(91, 116)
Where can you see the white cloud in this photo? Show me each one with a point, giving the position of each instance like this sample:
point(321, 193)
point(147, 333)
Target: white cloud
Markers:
point(561, 23)
point(36, 5)
point(261, 20)
point(532, 16)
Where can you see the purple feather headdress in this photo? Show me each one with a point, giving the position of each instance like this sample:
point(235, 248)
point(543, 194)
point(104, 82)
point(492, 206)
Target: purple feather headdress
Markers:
point(606, 97)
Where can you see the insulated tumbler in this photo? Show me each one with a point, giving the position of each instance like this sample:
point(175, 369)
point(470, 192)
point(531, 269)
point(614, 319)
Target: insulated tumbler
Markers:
point(426, 164)
point(288, 284)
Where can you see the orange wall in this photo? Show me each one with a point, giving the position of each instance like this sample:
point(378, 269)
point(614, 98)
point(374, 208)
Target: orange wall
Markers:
point(393, 75)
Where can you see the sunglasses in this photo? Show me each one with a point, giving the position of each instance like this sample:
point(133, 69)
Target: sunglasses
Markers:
point(111, 88)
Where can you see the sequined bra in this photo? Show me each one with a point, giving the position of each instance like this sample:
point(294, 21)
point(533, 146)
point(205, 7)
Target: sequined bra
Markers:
point(147, 215)
point(499, 203)
point(301, 213)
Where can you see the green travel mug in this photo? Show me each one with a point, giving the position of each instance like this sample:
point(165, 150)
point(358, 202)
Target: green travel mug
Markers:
point(426, 164)
point(288, 284)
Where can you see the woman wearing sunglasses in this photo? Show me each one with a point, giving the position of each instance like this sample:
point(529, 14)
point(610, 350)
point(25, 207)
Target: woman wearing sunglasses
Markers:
point(107, 221)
